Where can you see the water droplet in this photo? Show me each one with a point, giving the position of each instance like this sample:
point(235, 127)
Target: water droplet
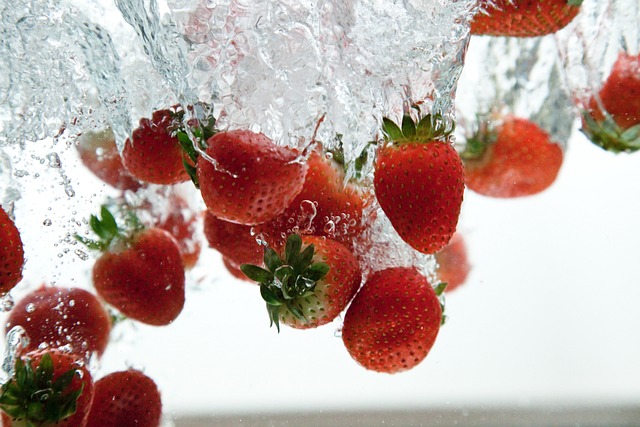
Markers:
point(54, 160)
point(20, 173)
point(72, 303)
point(329, 227)
point(6, 303)
point(30, 308)
point(47, 222)
point(81, 254)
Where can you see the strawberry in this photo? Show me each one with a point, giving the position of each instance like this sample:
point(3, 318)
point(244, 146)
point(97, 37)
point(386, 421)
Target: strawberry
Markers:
point(612, 119)
point(512, 158)
point(326, 206)
point(393, 321)
point(419, 182)
point(182, 223)
point(453, 264)
point(158, 150)
point(47, 388)
point(523, 18)
point(125, 399)
point(309, 284)
point(57, 317)
point(99, 153)
point(140, 272)
point(234, 241)
point(247, 178)
point(11, 253)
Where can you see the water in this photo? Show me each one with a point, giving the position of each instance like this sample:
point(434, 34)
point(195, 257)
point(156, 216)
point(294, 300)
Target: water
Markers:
point(293, 70)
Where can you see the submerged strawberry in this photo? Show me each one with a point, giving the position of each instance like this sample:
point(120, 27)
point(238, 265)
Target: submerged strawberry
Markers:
point(523, 18)
point(419, 182)
point(99, 153)
point(516, 158)
point(234, 241)
point(56, 317)
point(247, 178)
point(48, 388)
point(125, 399)
point(309, 284)
point(612, 119)
point(11, 253)
point(393, 321)
point(159, 150)
point(453, 264)
point(140, 271)
point(326, 206)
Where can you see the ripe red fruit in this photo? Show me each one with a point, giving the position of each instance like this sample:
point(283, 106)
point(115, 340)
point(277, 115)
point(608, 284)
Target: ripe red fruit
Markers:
point(515, 159)
point(309, 284)
point(48, 388)
point(612, 119)
point(139, 273)
point(125, 399)
point(182, 223)
point(234, 269)
point(393, 321)
point(523, 18)
point(253, 179)
point(60, 317)
point(326, 206)
point(99, 153)
point(11, 253)
point(419, 182)
point(233, 241)
point(453, 263)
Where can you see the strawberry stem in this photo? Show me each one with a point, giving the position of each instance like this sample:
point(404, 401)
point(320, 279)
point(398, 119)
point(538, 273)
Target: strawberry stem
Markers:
point(287, 278)
point(608, 135)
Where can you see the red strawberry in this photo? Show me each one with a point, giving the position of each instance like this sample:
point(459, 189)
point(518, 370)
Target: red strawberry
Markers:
point(234, 269)
point(182, 223)
point(453, 264)
point(99, 153)
point(125, 399)
point(419, 182)
point(515, 159)
point(11, 253)
point(47, 388)
point(612, 119)
point(140, 273)
point(159, 150)
point(61, 317)
point(393, 320)
point(310, 284)
point(326, 206)
point(234, 241)
point(523, 18)
point(253, 179)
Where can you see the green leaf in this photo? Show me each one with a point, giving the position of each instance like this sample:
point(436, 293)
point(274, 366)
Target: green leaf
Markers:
point(192, 171)
point(255, 273)
point(271, 259)
point(574, 2)
point(317, 271)
point(297, 312)
point(274, 316)
point(187, 145)
point(440, 287)
point(292, 248)
point(269, 296)
point(89, 243)
point(44, 371)
point(408, 127)
point(304, 259)
point(391, 130)
point(108, 221)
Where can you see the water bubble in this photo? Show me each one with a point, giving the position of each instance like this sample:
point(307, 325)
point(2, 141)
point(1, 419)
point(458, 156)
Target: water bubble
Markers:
point(30, 308)
point(15, 340)
point(54, 160)
point(81, 254)
point(47, 222)
point(6, 303)
point(20, 173)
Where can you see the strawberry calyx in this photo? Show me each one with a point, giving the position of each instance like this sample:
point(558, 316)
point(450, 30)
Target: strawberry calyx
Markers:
point(107, 230)
point(477, 144)
point(439, 290)
point(574, 2)
point(197, 134)
point(34, 396)
point(429, 128)
point(337, 155)
point(608, 135)
point(286, 278)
